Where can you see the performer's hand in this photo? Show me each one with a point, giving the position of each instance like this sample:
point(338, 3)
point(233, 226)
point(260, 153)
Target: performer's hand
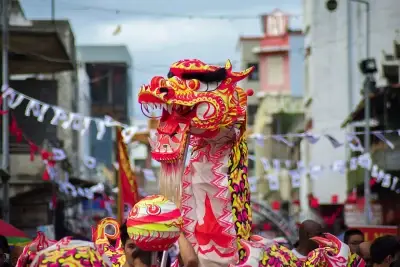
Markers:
point(187, 253)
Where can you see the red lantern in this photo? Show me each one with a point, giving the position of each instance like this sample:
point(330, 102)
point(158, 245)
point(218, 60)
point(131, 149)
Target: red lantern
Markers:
point(314, 203)
point(276, 205)
point(267, 227)
point(335, 199)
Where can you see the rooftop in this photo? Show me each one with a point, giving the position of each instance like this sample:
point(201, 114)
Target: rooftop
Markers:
point(104, 53)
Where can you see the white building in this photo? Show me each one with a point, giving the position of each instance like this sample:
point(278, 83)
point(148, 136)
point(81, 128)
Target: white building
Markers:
point(329, 98)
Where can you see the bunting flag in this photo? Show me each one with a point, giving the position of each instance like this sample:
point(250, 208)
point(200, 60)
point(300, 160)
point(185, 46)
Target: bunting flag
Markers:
point(335, 143)
point(364, 161)
point(281, 139)
point(127, 185)
point(381, 137)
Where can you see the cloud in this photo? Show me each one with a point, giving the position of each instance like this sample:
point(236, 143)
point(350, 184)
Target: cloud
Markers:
point(157, 35)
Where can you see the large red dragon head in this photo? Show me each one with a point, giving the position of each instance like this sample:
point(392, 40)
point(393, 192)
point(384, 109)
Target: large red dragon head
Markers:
point(196, 99)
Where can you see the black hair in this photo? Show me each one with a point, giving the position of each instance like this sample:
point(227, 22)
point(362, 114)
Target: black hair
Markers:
point(350, 233)
point(4, 244)
point(123, 229)
point(384, 246)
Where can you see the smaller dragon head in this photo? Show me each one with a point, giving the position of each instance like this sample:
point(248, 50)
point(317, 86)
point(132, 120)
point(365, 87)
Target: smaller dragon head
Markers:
point(108, 230)
point(332, 253)
point(196, 99)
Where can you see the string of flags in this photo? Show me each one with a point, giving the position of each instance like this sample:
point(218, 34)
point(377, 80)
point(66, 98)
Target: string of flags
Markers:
point(296, 170)
point(351, 138)
point(82, 123)
point(64, 118)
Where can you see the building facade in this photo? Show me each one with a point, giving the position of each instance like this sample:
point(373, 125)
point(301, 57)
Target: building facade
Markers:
point(51, 78)
point(334, 45)
point(277, 57)
point(108, 68)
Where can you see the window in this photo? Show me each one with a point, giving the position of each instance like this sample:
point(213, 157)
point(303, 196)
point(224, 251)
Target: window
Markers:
point(254, 75)
point(275, 71)
point(251, 113)
point(99, 82)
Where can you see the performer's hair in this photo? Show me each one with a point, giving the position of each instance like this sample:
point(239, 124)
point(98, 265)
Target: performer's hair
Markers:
point(123, 229)
point(384, 246)
point(350, 233)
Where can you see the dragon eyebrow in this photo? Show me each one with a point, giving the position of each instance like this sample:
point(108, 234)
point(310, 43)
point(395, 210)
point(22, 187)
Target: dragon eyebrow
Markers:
point(206, 77)
point(170, 74)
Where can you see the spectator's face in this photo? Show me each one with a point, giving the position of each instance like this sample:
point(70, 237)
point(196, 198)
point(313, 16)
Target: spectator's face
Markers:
point(129, 250)
point(364, 252)
point(354, 243)
point(136, 257)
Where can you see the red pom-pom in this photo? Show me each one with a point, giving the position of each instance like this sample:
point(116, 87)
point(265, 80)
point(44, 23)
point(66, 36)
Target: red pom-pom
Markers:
point(250, 92)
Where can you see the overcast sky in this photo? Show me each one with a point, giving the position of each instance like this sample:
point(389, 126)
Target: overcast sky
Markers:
point(157, 32)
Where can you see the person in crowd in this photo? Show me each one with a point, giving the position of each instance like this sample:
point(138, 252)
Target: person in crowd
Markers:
point(4, 252)
point(365, 252)
point(384, 250)
point(353, 238)
point(136, 257)
point(307, 230)
point(15, 253)
point(3, 259)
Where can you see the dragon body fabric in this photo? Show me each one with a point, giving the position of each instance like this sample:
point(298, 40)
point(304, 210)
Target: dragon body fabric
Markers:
point(203, 107)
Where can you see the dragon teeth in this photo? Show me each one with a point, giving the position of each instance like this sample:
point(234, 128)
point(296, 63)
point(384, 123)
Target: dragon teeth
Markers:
point(179, 135)
point(182, 126)
point(173, 145)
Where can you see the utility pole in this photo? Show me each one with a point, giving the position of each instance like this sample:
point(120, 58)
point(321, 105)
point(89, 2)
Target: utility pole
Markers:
point(5, 168)
point(367, 113)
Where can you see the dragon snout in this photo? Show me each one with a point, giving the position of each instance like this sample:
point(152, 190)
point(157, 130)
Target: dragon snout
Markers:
point(328, 240)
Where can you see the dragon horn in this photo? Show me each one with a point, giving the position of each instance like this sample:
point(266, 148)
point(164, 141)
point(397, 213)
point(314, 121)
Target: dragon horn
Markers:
point(238, 76)
point(228, 65)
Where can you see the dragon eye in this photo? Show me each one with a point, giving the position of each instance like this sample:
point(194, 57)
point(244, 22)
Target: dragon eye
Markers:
point(207, 87)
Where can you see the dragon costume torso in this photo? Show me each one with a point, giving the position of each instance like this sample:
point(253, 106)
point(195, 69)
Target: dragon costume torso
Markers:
point(203, 107)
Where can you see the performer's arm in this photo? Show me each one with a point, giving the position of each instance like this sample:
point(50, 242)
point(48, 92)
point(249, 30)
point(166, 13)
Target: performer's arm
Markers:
point(187, 253)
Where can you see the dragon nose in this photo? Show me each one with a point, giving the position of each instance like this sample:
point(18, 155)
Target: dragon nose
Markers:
point(163, 90)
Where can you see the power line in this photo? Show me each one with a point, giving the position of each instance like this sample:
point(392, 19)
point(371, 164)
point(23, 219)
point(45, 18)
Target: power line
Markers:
point(143, 13)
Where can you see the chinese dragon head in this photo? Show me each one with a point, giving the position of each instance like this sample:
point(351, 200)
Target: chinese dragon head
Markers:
point(198, 100)
point(202, 106)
